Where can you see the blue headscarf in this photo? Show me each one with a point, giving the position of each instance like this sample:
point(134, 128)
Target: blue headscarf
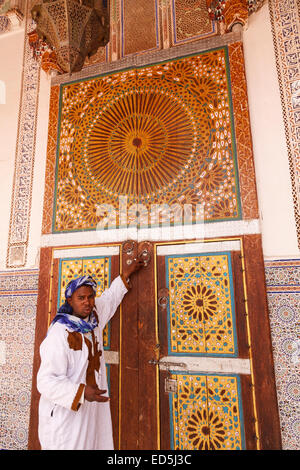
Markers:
point(65, 311)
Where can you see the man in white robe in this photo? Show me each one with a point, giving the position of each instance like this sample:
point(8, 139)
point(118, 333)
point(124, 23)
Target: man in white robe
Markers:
point(74, 410)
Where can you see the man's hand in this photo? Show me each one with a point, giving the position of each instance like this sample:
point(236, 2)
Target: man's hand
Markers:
point(136, 265)
point(93, 393)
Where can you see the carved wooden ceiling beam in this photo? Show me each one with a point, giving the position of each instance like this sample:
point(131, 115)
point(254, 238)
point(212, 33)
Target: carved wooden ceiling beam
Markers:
point(231, 12)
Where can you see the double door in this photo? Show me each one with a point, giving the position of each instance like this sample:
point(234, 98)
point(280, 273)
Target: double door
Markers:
point(188, 354)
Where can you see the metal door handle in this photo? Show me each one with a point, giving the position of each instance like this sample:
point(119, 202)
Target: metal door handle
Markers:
point(163, 298)
point(128, 246)
point(145, 252)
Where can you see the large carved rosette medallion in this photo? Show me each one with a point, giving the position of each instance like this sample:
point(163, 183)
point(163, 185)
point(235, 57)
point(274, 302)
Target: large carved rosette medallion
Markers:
point(161, 134)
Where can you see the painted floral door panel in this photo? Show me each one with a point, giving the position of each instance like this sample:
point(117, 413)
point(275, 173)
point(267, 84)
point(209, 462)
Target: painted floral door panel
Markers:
point(206, 412)
point(205, 382)
point(201, 318)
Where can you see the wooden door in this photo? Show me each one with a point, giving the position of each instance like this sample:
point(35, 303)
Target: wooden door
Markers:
point(138, 378)
point(204, 358)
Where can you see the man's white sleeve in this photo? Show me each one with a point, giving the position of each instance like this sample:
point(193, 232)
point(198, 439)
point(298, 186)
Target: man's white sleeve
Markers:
point(52, 380)
point(110, 299)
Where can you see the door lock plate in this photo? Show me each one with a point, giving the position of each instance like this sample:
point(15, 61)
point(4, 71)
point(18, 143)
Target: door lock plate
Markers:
point(170, 385)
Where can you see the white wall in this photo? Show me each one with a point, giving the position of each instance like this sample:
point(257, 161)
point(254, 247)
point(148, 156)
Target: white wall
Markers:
point(269, 144)
point(39, 172)
point(11, 58)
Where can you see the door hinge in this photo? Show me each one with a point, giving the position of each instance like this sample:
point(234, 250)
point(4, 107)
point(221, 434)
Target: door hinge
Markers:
point(165, 365)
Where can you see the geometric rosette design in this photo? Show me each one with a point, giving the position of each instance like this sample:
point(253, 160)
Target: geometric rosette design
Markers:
point(206, 413)
point(201, 314)
point(161, 134)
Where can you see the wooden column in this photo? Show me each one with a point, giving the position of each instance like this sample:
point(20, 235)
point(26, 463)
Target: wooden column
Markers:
point(40, 333)
point(261, 345)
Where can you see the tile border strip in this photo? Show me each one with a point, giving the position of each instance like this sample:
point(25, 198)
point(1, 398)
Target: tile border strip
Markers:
point(285, 54)
point(20, 210)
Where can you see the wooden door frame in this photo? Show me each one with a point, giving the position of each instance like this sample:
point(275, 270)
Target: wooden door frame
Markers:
point(263, 379)
point(42, 314)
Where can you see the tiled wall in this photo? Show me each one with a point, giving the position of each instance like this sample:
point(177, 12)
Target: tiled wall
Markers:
point(18, 296)
point(283, 290)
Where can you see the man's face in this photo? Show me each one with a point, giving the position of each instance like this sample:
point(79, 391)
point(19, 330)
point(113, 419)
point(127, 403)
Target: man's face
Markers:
point(82, 301)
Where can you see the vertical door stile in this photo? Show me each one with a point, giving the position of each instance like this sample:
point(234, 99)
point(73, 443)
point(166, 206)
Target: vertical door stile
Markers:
point(162, 299)
point(42, 320)
point(148, 348)
point(263, 375)
point(244, 345)
point(129, 359)
point(240, 304)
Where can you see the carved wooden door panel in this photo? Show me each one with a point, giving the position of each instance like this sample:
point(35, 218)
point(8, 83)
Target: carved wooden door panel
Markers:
point(205, 395)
